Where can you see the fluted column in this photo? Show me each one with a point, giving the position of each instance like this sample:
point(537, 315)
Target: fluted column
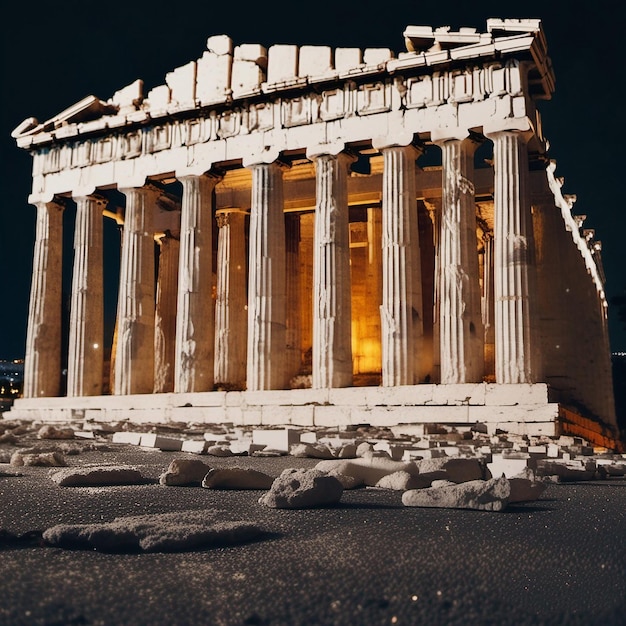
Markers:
point(460, 324)
point(165, 314)
point(332, 312)
point(293, 311)
point(195, 329)
point(400, 313)
point(266, 280)
point(42, 362)
point(134, 355)
point(513, 246)
point(84, 359)
point(488, 306)
point(231, 322)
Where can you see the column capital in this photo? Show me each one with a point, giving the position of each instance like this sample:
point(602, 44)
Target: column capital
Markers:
point(48, 200)
point(521, 125)
point(331, 148)
point(189, 173)
point(439, 136)
point(397, 140)
point(94, 197)
point(222, 215)
point(268, 157)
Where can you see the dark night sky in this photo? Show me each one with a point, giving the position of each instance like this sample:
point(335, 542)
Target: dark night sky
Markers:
point(54, 54)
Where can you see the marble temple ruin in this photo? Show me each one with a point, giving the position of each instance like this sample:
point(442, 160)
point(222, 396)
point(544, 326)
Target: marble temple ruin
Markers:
point(289, 256)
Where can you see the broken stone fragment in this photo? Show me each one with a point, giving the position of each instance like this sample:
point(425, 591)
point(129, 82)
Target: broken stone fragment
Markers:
point(53, 432)
point(167, 532)
point(481, 495)
point(219, 450)
point(8, 437)
point(525, 489)
point(98, 476)
point(348, 482)
point(400, 481)
point(566, 470)
point(184, 472)
point(368, 470)
point(458, 470)
point(236, 478)
point(311, 450)
point(302, 489)
point(41, 459)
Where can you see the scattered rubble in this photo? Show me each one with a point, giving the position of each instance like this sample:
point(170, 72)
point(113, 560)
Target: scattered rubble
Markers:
point(48, 431)
point(41, 459)
point(166, 532)
point(432, 465)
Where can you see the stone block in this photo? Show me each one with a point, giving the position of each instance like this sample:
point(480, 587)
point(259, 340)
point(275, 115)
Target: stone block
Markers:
point(276, 439)
point(347, 58)
point(214, 72)
point(315, 60)
point(127, 437)
point(375, 56)
point(194, 446)
point(508, 466)
point(282, 63)
point(182, 82)
point(153, 440)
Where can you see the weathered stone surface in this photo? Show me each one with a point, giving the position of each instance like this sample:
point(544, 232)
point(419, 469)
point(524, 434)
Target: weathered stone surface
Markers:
point(301, 489)
point(220, 450)
point(348, 482)
point(43, 459)
point(184, 472)
point(525, 489)
point(311, 450)
point(167, 532)
point(368, 470)
point(482, 495)
point(49, 431)
point(400, 481)
point(458, 470)
point(98, 476)
point(236, 478)
point(566, 470)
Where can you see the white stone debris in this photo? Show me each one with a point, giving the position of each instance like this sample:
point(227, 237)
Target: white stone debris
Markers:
point(48, 431)
point(400, 481)
point(98, 476)
point(237, 478)
point(312, 450)
point(368, 470)
point(482, 495)
point(184, 472)
point(166, 532)
point(42, 459)
point(302, 489)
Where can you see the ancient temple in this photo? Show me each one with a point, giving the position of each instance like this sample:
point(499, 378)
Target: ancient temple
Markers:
point(316, 236)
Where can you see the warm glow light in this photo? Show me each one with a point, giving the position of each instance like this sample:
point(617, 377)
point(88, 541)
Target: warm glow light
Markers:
point(96, 346)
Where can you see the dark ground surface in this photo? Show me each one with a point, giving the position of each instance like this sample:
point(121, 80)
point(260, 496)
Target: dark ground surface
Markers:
point(368, 560)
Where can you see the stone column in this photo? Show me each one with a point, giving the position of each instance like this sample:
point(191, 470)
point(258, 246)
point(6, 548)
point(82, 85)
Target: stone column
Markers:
point(266, 281)
point(134, 355)
point(231, 323)
point(332, 311)
point(42, 363)
point(488, 306)
point(400, 314)
point(433, 206)
point(461, 342)
point(85, 360)
point(195, 329)
point(165, 314)
point(513, 263)
point(293, 310)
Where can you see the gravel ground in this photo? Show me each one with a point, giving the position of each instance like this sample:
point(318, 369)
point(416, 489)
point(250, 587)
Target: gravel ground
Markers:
point(367, 560)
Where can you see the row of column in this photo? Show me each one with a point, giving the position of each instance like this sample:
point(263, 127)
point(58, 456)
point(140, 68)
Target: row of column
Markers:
point(220, 346)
